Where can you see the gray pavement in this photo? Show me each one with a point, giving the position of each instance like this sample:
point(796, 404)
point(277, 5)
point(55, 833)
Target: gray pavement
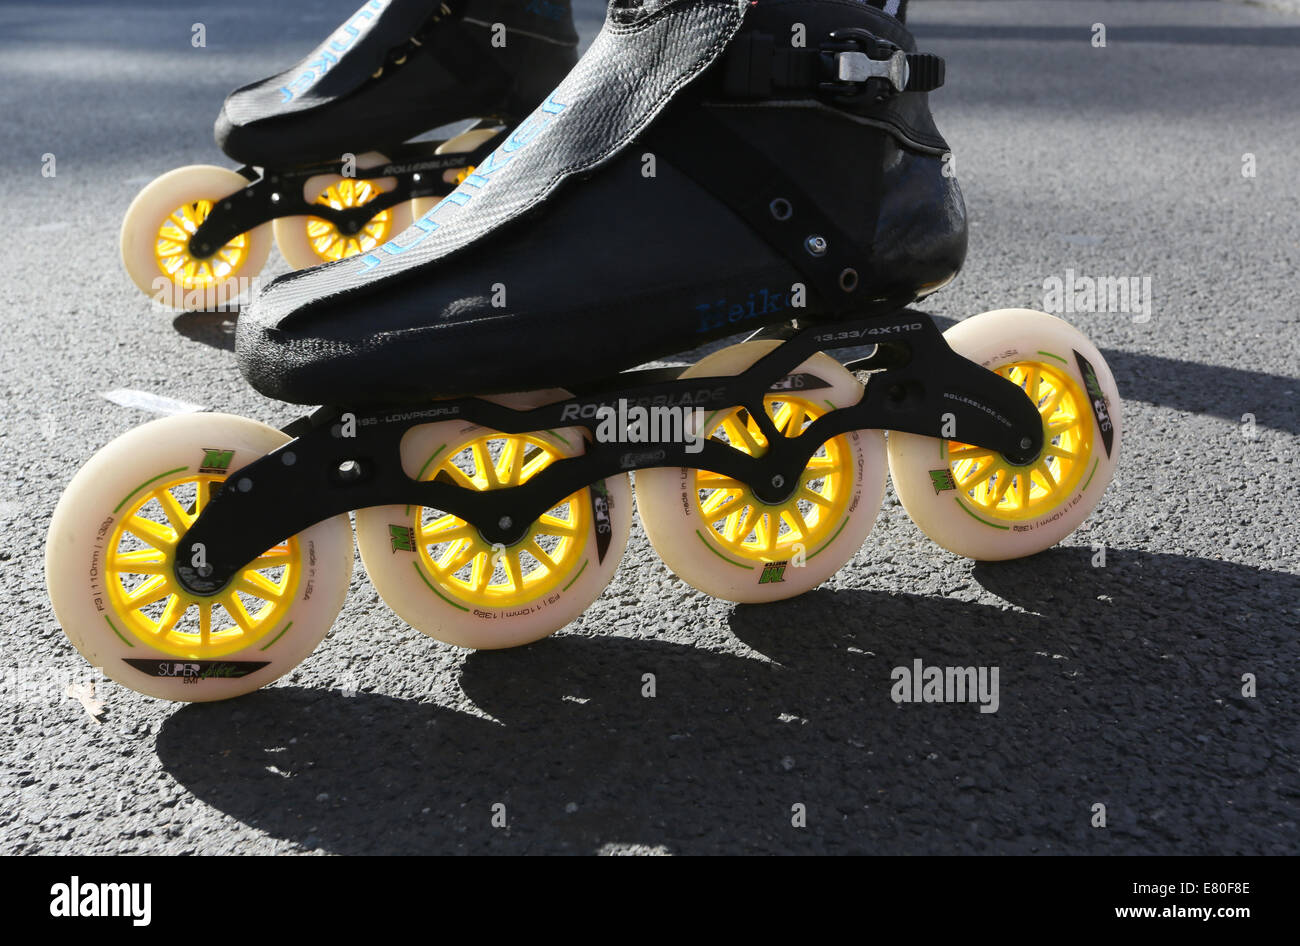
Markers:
point(1120, 685)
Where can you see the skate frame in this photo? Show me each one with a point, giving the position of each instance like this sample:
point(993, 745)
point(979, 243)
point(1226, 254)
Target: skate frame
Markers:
point(915, 383)
point(279, 193)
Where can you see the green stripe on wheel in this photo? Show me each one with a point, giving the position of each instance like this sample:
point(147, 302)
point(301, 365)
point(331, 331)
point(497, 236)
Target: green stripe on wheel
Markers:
point(977, 518)
point(710, 547)
point(434, 588)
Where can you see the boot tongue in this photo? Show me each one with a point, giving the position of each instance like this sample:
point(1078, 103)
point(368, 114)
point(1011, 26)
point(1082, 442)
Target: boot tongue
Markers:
point(639, 63)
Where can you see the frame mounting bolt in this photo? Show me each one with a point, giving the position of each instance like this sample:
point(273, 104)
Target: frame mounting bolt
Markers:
point(244, 484)
point(816, 245)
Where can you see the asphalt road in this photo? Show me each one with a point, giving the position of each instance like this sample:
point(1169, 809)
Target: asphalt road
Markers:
point(1120, 685)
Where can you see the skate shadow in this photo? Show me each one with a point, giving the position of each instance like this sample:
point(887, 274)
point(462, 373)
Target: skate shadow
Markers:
point(1112, 690)
point(214, 329)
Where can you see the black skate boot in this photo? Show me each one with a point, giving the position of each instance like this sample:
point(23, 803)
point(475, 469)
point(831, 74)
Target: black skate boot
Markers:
point(329, 137)
point(695, 184)
point(710, 167)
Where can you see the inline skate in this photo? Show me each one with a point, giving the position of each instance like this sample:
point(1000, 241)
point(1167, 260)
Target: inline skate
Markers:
point(697, 176)
point(307, 137)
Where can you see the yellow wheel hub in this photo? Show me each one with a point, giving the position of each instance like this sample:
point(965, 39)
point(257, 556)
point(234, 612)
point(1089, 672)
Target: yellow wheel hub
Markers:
point(454, 553)
point(172, 250)
point(811, 515)
point(1006, 491)
point(328, 242)
point(146, 597)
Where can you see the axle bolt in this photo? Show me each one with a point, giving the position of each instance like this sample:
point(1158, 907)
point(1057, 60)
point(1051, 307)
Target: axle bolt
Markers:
point(778, 481)
point(505, 522)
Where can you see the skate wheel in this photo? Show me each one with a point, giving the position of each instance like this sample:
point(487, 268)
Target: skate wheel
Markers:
point(156, 232)
point(311, 241)
point(464, 142)
point(716, 536)
point(439, 575)
point(108, 567)
point(972, 501)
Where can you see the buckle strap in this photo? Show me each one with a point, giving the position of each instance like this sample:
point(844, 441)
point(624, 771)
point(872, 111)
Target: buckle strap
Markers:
point(852, 63)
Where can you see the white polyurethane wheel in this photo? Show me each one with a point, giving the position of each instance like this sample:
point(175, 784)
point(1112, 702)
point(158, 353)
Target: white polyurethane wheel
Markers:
point(108, 567)
point(311, 241)
point(155, 234)
point(714, 535)
point(436, 572)
point(971, 501)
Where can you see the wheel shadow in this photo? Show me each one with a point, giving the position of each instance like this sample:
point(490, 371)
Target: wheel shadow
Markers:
point(1119, 685)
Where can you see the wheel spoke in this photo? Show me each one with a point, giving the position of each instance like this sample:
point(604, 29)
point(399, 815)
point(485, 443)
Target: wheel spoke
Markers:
point(740, 432)
point(1053, 401)
point(154, 533)
point(969, 453)
point(794, 519)
point(740, 524)
point(974, 471)
point(484, 468)
point(271, 558)
point(172, 613)
point(706, 480)
point(539, 462)
point(1033, 376)
point(792, 419)
point(510, 465)
point(1049, 481)
point(550, 525)
point(482, 571)
point(460, 477)
point(456, 557)
point(542, 556)
point(766, 531)
point(996, 495)
point(822, 466)
point(446, 529)
point(139, 562)
point(813, 496)
point(148, 592)
point(259, 586)
point(514, 569)
point(235, 608)
point(720, 503)
point(174, 511)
